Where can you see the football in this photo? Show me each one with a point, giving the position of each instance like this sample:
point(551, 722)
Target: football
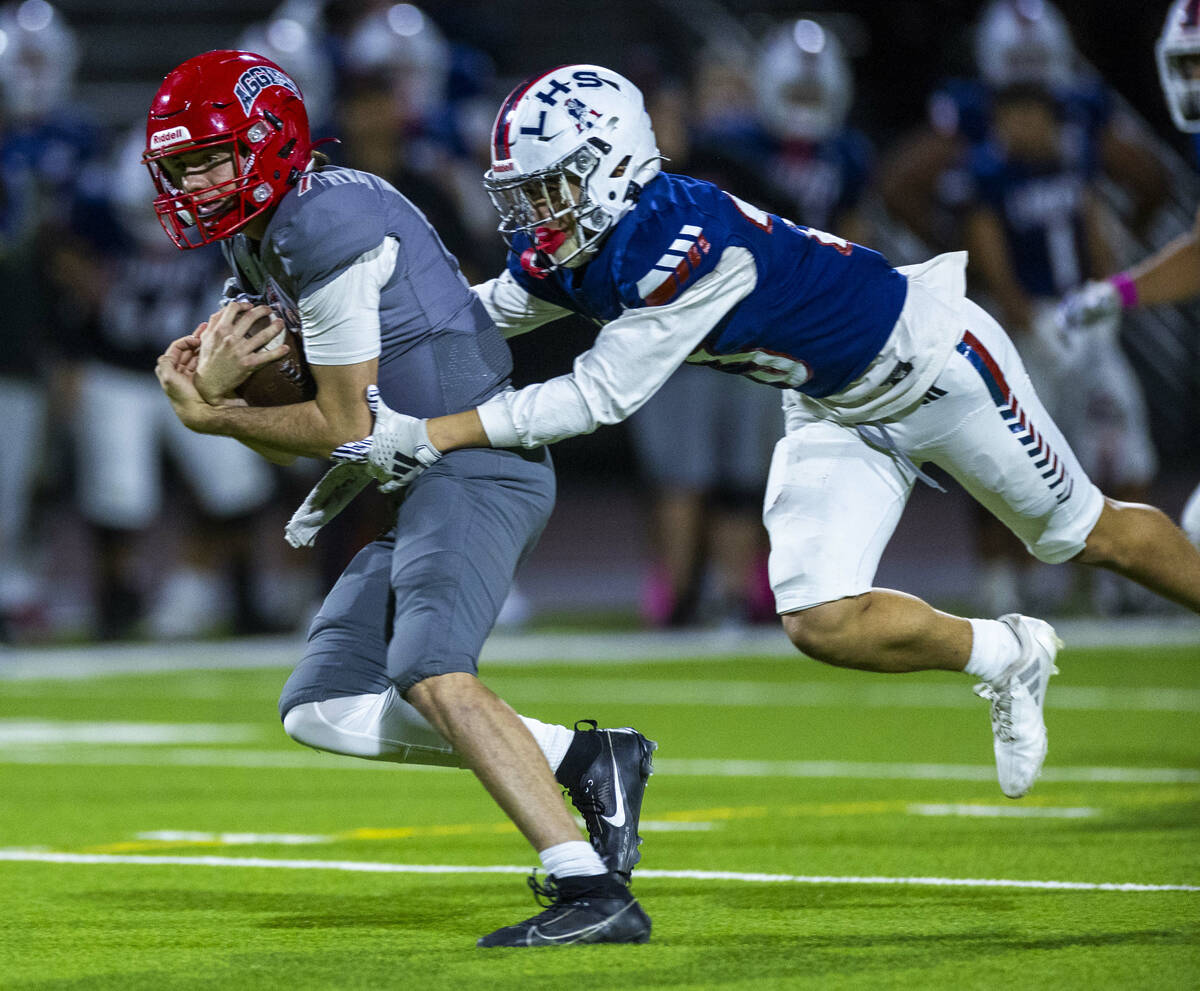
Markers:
point(282, 382)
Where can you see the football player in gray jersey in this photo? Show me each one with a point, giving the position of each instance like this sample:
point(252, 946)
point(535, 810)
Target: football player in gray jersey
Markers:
point(389, 671)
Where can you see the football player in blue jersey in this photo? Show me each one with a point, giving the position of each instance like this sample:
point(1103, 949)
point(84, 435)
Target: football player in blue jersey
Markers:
point(1171, 275)
point(389, 669)
point(45, 144)
point(923, 181)
point(880, 369)
point(1035, 229)
point(805, 148)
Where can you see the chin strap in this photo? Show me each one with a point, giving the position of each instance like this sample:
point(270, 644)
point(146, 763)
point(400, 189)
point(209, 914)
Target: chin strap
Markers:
point(537, 260)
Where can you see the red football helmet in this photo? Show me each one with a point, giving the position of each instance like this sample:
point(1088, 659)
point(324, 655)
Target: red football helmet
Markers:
point(231, 98)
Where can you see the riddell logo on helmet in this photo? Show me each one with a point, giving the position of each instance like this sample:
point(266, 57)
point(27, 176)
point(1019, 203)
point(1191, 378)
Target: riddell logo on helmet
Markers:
point(504, 166)
point(160, 139)
point(258, 78)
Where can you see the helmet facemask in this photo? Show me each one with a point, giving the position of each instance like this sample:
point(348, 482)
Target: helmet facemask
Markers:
point(552, 199)
point(190, 218)
point(1179, 70)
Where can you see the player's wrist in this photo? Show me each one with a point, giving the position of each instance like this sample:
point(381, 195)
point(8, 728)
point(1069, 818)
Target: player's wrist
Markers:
point(1126, 289)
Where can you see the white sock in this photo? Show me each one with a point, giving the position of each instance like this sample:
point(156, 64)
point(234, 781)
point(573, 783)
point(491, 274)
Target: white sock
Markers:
point(554, 740)
point(575, 858)
point(994, 647)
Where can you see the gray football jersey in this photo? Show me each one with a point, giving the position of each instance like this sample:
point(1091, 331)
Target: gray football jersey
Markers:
point(439, 351)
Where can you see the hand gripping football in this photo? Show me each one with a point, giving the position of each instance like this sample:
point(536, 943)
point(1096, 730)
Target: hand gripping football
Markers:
point(282, 382)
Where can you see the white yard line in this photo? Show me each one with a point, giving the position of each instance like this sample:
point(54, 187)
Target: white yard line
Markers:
point(1002, 811)
point(41, 732)
point(862, 692)
point(308, 760)
point(521, 648)
point(233, 839)
point(914, 772)
point(369, 867)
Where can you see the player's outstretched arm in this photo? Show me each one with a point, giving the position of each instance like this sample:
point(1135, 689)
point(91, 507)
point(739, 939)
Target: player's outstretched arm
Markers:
point(465, 429)
point(1171, 275)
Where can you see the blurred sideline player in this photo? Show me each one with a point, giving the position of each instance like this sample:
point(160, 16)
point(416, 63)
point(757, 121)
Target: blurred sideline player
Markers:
point(44, 144)
point(375, 140)
point(796, 151)
point(703, 442)
point(881, 370)
point(432, 82)
point(389, 669)
point(1171, 275)
point(134, 291)
point(1035, 229)
point(1015, 42)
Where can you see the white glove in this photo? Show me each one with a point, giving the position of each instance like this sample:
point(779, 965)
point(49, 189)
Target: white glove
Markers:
point(397, 450)
point(1066, 348)
point(1096, 307)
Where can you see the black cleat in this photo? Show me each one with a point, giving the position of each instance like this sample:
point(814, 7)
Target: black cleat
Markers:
point(597, 909)
point(608, 794)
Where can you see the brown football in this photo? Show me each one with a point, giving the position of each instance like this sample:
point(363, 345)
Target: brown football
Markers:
point(282, 382)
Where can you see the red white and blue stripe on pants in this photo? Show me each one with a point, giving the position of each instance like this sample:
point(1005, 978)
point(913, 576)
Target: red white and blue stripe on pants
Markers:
point(1037, 447)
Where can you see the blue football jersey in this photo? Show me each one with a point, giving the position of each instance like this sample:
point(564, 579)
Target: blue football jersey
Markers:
point(1041, 207)
point(820, 311)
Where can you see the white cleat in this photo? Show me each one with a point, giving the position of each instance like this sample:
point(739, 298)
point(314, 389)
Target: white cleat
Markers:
point(1019, 733)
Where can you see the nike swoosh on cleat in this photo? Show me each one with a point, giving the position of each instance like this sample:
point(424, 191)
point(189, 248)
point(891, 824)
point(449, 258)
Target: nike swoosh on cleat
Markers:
point(617, 819)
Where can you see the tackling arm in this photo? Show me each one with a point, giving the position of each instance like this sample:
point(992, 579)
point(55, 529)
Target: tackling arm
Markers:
point(514, 310)
point(631, 358)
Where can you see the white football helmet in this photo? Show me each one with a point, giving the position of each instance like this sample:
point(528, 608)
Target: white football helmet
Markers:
point(401, 42)
point(294, 38)
point(803, 82)
point(1024, 41)
point(38, 58)
point(575, 142)
point(1178, 52)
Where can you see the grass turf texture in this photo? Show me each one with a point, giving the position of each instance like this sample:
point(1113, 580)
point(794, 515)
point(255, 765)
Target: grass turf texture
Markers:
point(162, 925)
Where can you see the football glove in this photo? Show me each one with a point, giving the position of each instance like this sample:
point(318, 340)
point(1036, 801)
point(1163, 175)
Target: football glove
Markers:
point(1096, 307)
point(1066, 348)
point(397, 450)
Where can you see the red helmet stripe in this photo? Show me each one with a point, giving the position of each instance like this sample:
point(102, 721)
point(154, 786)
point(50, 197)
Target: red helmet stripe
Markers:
point(501, 143)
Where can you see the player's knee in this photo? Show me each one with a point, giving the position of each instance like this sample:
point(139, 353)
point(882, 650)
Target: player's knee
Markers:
point(823, 632)
point(1123, 534)
point(337, 729)
point(303, 723)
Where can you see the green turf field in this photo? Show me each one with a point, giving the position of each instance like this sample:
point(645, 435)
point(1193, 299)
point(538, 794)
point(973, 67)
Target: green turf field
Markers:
point(806, 827)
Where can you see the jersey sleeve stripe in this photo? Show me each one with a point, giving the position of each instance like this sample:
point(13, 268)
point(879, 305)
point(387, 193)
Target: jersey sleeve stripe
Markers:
point(680, 260)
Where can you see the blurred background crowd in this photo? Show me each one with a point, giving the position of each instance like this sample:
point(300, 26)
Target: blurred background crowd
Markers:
point(1031, 134)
